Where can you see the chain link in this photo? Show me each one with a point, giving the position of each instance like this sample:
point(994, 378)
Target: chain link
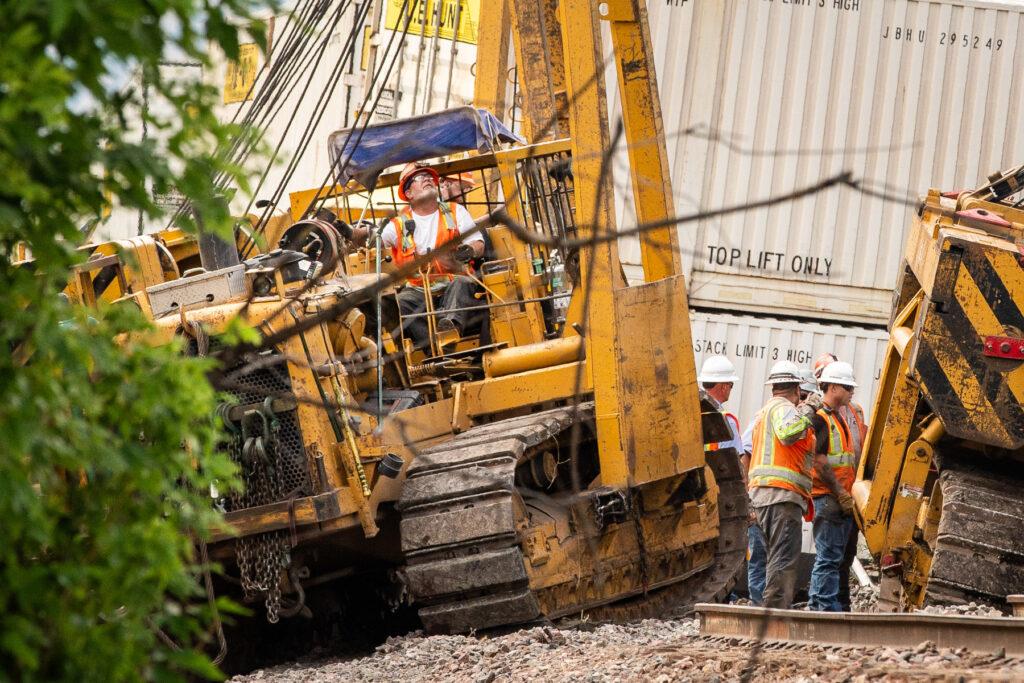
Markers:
point(261, 557)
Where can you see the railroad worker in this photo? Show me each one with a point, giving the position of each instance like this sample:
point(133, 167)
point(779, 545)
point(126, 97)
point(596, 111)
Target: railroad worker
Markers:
point(852, 414)
point(424, 225)
point(832, 482)
point(757, 555)
point(782, 444)
point(717, 377)
point(455, 187)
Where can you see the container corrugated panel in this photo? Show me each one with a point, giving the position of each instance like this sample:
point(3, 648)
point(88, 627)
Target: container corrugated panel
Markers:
point(426, 89)
point(762, 97)
point(311, 87)
point(754, 343)
point(435, 68)
point(123, 222)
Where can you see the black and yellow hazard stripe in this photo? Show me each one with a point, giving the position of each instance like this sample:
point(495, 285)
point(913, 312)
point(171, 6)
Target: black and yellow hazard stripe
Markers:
point(977, 397)
point(105, 284)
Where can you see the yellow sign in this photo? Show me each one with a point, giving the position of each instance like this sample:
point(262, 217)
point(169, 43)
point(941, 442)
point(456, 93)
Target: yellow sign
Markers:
point(240, 76)
point(422, 18)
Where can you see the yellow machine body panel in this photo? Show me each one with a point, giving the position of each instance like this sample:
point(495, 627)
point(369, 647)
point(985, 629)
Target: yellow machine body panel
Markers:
point(548, 460)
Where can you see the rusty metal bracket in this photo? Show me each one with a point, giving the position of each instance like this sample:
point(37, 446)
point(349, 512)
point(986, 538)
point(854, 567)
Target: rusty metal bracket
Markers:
point(281, 515)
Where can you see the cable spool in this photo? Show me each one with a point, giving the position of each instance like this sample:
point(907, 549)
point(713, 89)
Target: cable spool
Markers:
point(318, 240)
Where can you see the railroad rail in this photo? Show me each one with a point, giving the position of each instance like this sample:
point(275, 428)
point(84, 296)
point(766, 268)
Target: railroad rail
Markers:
point(897, 630)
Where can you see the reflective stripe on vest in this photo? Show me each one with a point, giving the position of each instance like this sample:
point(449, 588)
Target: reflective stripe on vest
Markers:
point(777, 465)
point(840, 454)
point(404, 250)
point(729, 419)
point(770, 472)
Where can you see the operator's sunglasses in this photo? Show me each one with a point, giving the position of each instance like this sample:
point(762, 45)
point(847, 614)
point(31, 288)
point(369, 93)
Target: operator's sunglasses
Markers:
point(418, 178)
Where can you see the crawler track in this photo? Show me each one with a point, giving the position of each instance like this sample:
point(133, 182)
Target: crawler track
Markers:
point(460, 511)
point(979, 549)
point(714, 582)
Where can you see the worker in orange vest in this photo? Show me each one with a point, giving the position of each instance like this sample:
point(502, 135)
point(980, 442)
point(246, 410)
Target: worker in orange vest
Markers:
point(423, 226)
point(781, 459)
point(832, 482)
point(853, 415)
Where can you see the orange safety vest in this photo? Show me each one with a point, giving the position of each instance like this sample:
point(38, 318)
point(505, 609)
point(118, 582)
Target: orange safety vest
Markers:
point(773, 463)
point(404, 250)
point(840, 454)
point(735, 422)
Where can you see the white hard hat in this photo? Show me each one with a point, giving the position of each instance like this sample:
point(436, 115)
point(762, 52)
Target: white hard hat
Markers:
point(717, 369)
point(784, 372)
point(809, 383)
point(838, 372)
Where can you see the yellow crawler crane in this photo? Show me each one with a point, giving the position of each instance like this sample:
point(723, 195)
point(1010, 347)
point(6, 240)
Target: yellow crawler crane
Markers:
point(551, 462)
point(939, 493)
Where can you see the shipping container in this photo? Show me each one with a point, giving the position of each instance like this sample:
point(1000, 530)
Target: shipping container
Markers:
point(762, 97)
point(121, 222)
point(755, 343)
point(314, 101)
point(435, 41)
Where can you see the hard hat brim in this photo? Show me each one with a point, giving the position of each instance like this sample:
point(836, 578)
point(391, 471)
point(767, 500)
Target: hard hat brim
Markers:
point(783, 380)
point(717, 380)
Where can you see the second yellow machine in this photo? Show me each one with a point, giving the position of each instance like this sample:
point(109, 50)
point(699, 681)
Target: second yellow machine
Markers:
point(940, 494)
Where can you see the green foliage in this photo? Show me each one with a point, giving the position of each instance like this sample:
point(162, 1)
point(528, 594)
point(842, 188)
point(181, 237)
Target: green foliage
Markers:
point(107, 446)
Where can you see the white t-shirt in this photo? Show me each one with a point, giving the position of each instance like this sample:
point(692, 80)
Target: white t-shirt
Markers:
point(425, 235)
point(748, 437)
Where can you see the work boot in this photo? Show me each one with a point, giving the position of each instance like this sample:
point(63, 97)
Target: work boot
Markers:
point(446, 325)
point(448, 332)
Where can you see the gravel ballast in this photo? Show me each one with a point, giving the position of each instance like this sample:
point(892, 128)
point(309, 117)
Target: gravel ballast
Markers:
point(650, 650)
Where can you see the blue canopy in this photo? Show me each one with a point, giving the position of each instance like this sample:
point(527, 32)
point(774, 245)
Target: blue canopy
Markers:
point(364, 154)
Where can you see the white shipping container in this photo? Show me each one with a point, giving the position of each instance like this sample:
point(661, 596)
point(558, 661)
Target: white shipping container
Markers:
point(753, 344)
point(434, 66)
point(311, 87)
point(761, 97)
point(300, 94)
point(123, 222)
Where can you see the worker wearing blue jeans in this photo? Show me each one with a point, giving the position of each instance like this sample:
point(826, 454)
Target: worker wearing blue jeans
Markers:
point(757, 561)
point(834, 474)
point(832, 528)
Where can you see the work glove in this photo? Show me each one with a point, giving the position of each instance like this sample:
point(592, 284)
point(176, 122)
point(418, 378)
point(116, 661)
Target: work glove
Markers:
point(846, 502)
point(810, 406)
point(464, 253)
